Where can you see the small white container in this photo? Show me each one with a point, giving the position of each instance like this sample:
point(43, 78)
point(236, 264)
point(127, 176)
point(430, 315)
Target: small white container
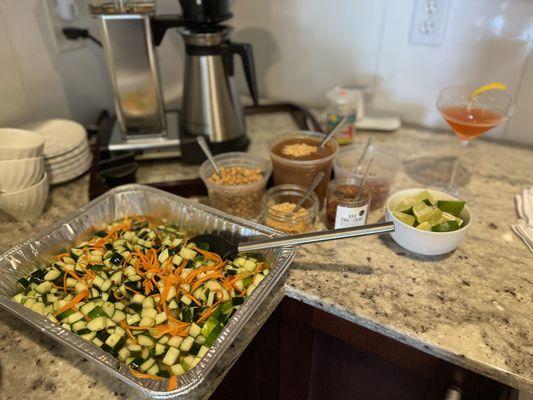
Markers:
point(26, 204)
point(16, 175)
point(426, 242)
point(19, 143)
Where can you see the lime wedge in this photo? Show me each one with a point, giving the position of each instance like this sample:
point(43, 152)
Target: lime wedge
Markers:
point(406, 205)
point(426, 197)
point(445, 226)
point(405, 218)
point(485, 88)
point(451, 206)
point(450, 217)
point(424, 226)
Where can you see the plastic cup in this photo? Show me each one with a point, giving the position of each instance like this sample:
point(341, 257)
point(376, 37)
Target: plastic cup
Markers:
point(240, 200)
point(302, 172)
point(384, 169)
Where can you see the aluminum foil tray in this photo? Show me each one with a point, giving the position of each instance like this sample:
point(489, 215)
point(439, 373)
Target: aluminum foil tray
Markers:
point(24, 258)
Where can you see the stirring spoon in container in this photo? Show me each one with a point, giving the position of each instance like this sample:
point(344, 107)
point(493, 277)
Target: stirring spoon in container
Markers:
point(362, 156)
point(207, 151)
point(317, 179)
point(333, 132)
point(363, 181)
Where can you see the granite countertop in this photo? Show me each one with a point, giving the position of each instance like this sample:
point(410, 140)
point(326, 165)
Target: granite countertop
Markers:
point(471, 307)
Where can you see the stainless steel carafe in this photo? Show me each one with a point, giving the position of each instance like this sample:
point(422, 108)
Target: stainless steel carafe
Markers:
point(211, 102)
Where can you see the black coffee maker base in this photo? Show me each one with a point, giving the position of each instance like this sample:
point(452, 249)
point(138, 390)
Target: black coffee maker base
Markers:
point(191, 153)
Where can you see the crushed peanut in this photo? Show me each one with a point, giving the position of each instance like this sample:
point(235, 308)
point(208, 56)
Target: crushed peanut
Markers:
point(281, 217)
point(236, 176)
point(299, 149)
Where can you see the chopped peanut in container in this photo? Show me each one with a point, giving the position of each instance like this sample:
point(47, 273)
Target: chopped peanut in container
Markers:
point(236, 176)
point(299, 149)
point(281, 217)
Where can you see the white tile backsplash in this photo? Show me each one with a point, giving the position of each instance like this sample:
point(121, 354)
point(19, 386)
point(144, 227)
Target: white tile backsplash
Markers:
point(302, 48)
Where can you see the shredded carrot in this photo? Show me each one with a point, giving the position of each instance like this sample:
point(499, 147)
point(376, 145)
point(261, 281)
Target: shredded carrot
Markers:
point(197, 271)
point(178, 270)
point(126, 327)
point(207, 313)
point(74, 275)
point(131, 290)
point(79, 297)
point(208, 254)
point(199, 282)
point(140, 375)
point(190, 296)
point(172, 383)
point(60, 256)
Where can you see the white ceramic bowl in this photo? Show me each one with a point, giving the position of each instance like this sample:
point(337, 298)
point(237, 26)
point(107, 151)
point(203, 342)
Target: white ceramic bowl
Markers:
point(27, 203)
point(18, 143)
point(16, 175)
point(426, 242)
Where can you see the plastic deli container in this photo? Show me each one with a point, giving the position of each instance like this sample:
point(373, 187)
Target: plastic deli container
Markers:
point(292, 223)
point(242, 200)
point(24, 258)
point(382, 174)
point(301, 171)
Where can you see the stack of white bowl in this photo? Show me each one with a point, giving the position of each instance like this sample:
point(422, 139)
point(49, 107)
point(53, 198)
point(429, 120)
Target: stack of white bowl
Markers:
point(23, 181)
point(66, 149)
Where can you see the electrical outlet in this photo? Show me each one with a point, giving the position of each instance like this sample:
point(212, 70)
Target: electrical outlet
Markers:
point(428, 23)
point(61, 14)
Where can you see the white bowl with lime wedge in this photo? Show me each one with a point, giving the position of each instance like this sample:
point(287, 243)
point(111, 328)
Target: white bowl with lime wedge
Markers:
point(427, 221)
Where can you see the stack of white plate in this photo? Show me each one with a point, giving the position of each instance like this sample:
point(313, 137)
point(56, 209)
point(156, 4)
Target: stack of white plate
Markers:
point(66, 149)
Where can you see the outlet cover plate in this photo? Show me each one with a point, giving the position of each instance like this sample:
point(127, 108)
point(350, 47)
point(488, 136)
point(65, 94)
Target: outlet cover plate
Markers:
point(428, 23)
point(56, 25)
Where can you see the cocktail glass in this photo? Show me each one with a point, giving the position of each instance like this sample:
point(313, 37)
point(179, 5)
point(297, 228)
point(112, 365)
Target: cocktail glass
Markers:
point(470, 117)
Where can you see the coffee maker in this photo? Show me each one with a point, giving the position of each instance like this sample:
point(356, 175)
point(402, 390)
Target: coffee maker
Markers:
point(211, 105)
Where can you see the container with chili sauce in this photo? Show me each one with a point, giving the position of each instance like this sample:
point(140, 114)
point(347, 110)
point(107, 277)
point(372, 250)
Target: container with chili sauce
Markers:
point(344, 208)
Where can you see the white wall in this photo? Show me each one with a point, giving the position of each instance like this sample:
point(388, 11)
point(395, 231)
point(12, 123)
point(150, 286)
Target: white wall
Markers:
point(302, 49)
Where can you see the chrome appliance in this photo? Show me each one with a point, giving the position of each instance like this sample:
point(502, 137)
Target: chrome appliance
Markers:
point(211, 104)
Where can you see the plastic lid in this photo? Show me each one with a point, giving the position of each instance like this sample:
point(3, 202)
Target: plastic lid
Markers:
point(341, 95)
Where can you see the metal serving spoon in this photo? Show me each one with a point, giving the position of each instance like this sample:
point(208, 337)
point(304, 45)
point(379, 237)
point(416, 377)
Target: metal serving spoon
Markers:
point(227, 249)
point(316, 180)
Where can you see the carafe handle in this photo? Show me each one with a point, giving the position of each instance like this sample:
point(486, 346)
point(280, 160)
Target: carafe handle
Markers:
point(244, 50)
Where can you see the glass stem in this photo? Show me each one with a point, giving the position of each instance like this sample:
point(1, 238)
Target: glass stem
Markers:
point(455, 169)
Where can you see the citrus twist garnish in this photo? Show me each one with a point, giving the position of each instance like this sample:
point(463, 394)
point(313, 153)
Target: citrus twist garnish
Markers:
point(485, 88)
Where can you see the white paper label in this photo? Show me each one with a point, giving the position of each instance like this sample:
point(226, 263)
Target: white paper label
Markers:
point(350, 216)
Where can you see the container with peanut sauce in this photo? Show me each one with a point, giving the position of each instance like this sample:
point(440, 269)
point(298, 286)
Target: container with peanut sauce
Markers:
point(297, 157)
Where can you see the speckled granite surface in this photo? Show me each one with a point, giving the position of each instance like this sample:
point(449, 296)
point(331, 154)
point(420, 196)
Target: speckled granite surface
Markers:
point(473, 307)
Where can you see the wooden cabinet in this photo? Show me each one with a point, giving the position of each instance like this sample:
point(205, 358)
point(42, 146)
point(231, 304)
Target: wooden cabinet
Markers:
point(305, 353)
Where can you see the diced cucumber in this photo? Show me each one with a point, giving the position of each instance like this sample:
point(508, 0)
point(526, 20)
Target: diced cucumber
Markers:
point(149, 312)
point(153, 370)
point(203, 351)
point(52, 274)
point(160, 318)
point(177, 370)
point(186, 300)
point(97, 324)
point(147, 321)
point(79, 325)
point(132, 319)
point(171, 356)
point(113, 340)
point(123, 353)
point(187, 253)
point(145, 340)
point(148, 302)
point(87, 307)
point(44, 287)
point(187, 343)
point(159, 349)
point(89, 336)
point(97, 342)
point(76, 316)
point(138, 298)
point(194, 330)
point(175, 341)
point(163, 256)
point(145, 366)
point(118, 316)
point(187, 362)
point(176, 260)
point(108, 308)
point(249, 266)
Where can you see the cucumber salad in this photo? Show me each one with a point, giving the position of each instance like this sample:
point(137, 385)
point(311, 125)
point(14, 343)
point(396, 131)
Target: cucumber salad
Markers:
point(141, 292)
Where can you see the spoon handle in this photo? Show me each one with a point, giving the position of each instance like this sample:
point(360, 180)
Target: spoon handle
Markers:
point(207, 151)
point(333, 131)
point(314, 237)
point(316, 180)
